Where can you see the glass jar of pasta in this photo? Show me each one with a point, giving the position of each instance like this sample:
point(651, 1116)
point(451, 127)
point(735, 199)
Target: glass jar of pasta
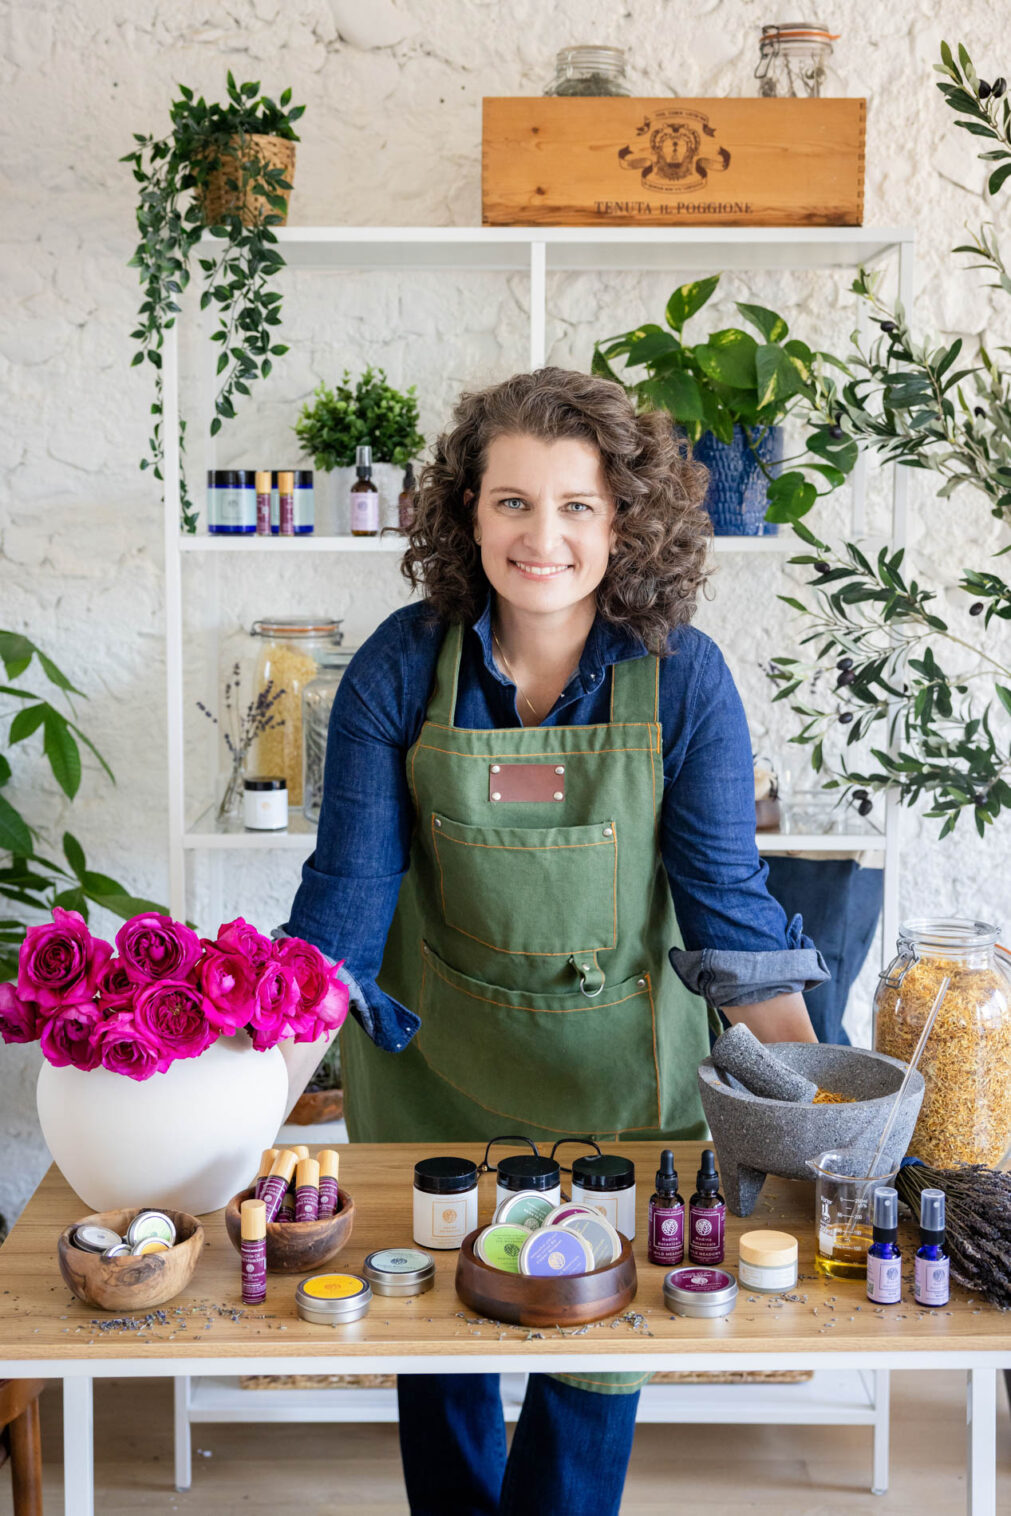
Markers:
point(290, 647)
point(966, 1060)
point(317, 703)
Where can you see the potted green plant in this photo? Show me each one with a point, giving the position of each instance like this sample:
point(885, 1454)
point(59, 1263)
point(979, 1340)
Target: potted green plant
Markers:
point(226, 169)
point(892, 694)
point(338, 420)
point(323, 1097)
point(730, 395)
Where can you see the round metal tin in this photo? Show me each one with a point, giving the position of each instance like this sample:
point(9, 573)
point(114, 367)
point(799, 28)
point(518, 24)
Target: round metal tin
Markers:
point(501, 1245)
point(553, 1251)
point(333, 1299)
point(526, 1208)
point(119, 1250)
point(150, 1245)
point(605, 1244)
point(561, 1213)
point(694, 1290)
point(94, 1239)
point(399, 1271)
point(151, 1224)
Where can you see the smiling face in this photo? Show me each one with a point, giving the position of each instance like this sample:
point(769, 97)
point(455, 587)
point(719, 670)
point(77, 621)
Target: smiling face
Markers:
point(544, 521)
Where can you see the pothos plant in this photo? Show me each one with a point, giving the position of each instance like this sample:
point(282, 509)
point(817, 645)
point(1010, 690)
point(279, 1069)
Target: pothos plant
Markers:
point(30, 880)
point(173, 173)
point(884, 663)
point(735, 379)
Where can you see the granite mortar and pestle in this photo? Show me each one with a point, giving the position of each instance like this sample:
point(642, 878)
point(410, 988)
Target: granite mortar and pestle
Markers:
point(757, 1100)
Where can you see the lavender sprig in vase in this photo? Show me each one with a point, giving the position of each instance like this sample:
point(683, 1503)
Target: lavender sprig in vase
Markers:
point(242, 727)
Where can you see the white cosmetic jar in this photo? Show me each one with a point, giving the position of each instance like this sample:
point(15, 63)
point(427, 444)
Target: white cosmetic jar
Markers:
point(264, 803)
point(445, 1201)
point(606, 1183)
point(767, 1261)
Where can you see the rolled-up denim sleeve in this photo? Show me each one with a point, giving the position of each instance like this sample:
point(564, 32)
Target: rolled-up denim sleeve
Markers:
point(738, 947)
point(348, 894)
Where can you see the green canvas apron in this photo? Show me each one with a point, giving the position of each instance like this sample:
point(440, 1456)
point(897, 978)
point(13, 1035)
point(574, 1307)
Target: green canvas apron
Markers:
point(531, 937)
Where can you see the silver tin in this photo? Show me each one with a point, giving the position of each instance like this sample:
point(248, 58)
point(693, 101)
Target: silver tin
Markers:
point(389, 1271)
point(120, 1250)
point(322, 1311)
point(719, 1300)
point(151, 1224)
point(94, 1239)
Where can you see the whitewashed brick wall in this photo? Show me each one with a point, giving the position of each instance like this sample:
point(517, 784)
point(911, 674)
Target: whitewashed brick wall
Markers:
point(391, 136)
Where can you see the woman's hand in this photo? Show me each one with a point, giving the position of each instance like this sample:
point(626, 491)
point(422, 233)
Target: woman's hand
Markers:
point(784, 1018)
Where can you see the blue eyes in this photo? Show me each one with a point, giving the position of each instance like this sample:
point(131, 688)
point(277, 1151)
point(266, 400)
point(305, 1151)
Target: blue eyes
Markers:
point(576, 506)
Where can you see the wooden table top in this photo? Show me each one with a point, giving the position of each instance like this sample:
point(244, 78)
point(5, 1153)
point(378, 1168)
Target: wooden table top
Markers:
point(40, 1319)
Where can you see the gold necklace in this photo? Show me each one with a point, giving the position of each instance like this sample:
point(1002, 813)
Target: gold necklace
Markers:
point(512, 676)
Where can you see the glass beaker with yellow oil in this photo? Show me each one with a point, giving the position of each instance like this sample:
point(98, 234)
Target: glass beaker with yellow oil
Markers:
point(842, 1213)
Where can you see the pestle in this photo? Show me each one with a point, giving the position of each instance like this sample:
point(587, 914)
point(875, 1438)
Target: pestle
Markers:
point(739, 1052)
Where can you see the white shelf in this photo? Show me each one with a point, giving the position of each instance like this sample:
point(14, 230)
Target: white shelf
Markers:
point(583, 248)
point(203, 542)
point(206, 834)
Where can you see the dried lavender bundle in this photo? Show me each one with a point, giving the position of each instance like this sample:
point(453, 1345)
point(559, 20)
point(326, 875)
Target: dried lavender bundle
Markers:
point(978, 1214)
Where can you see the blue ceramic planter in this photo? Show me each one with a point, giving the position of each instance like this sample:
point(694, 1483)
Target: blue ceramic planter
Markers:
point(737, 496)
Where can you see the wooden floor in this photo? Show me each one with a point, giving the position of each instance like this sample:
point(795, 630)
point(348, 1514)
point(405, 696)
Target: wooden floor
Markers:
point(723, 1471)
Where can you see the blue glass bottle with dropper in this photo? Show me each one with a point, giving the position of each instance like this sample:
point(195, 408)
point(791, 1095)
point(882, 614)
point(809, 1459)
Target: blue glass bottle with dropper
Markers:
point(932, 1265)
point(884, 1258)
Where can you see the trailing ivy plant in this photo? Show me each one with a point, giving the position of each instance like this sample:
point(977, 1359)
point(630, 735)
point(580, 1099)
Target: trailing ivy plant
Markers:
point(31, 881)
point(733, 378)
point(340, 419)
point(884, 664)
point(173, 171)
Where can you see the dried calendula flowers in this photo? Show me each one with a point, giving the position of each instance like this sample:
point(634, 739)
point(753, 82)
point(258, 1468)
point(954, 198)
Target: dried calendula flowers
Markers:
point(966, 1062)
point(830, 1097)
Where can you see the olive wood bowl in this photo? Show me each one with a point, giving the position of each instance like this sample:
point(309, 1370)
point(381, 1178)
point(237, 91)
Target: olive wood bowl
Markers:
point(536, 1302)
point(314, 1106)
point(296, 1247)
point(129, 1283)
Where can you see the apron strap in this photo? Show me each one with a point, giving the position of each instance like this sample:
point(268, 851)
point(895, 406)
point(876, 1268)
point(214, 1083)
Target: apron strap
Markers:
point(635, 689)
point(442, 706)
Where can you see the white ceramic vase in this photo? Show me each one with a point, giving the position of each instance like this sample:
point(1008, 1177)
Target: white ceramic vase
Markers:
point(190, 1138)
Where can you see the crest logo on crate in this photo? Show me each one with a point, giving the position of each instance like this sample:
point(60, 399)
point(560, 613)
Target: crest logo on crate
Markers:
point(675, 152)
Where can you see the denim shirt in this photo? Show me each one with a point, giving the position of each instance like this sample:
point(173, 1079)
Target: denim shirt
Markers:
point(738, 946)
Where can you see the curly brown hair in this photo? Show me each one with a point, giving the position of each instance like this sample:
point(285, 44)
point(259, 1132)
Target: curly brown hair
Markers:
point(662, 532)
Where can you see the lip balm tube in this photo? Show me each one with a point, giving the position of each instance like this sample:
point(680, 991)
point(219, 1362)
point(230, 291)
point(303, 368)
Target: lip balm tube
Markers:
point(307, 1190)
point(263, 502)
point(253, 1251)
point(300, 1150)
point(286, 502)
point(277, 1181)
point(266, 1159)
point(329, 1162)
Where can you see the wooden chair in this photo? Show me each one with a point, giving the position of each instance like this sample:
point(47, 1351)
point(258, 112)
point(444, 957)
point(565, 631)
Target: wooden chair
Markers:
point(19, 1426)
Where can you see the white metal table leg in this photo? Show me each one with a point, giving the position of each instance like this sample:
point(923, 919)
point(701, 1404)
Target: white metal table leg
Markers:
point(183, 1432)
point(882, 1409)
point(78, 1447)
point(981, 1409)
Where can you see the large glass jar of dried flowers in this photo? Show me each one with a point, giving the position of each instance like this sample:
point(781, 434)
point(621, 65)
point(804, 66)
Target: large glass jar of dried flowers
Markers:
point(966, 1062)
point(290, 647)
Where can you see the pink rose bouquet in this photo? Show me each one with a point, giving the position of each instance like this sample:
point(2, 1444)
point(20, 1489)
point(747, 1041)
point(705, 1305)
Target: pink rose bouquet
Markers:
point(168, 994)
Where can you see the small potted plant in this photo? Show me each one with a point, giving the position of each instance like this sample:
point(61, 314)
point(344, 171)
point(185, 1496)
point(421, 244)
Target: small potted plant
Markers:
point(729, 395)
point(338, 420)
point(323, 1097)
point(227, 169)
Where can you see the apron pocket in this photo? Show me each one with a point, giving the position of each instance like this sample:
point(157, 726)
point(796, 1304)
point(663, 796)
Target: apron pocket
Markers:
point(558, 1062)
point(537, 891)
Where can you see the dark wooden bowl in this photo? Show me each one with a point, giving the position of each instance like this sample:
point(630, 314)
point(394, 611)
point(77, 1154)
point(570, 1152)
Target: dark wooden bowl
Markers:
point(131, 1284)
point(313, 1106)
point(296, 1247)
point(544, 1302)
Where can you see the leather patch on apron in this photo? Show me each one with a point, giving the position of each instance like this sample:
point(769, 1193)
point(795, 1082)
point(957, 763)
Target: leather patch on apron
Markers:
point(526, 781)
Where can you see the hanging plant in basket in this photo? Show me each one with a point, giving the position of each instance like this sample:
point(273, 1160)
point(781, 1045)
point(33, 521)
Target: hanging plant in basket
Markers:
point(227, 169)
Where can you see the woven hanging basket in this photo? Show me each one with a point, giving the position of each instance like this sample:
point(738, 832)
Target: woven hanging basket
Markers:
point(216, 199)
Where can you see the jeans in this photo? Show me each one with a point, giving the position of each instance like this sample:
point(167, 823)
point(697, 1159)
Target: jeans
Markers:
point(841, 904)
point(570, 1450)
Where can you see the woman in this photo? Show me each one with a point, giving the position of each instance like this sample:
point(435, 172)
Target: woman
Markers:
point(539, 800)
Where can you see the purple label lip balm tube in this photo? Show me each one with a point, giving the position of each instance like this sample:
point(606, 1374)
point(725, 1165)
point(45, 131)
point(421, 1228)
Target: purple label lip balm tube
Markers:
point(266, 1161)
point(329, 1162)
point(277, 1181)
point(263, 490)
point(286, 501)
point(253, 1251)
point(307, 1190)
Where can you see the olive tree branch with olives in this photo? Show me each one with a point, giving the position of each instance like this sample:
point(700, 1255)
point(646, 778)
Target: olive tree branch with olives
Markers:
point(875, 662)
point(173, 172)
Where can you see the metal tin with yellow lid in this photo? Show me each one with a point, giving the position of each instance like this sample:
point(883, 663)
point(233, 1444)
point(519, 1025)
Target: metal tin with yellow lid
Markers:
point(333, 1299)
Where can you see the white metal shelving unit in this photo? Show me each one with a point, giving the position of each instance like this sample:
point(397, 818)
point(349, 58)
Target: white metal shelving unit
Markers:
point(536, 252)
